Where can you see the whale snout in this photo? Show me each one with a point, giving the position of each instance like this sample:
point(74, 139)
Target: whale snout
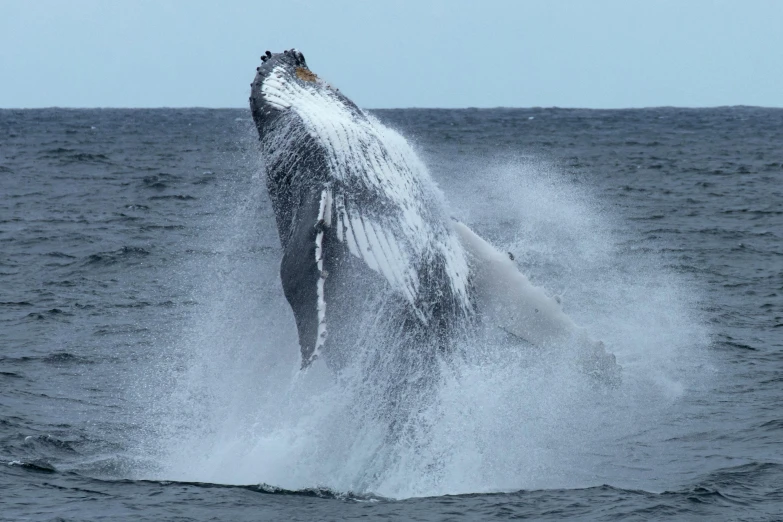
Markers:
point(276, 70)
point(292, 57)
point(283, 67)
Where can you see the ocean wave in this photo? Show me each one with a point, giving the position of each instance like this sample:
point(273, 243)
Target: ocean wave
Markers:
point(126, 253)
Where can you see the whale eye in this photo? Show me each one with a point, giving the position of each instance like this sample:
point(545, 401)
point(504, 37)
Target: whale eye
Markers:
point(305, 74)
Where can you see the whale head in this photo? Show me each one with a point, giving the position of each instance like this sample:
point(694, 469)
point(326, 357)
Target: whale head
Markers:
point(284, 84)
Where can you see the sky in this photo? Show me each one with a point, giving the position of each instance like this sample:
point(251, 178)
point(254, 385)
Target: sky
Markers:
point(390, 54)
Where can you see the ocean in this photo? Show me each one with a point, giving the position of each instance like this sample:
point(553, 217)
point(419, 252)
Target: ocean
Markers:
point(148, 358)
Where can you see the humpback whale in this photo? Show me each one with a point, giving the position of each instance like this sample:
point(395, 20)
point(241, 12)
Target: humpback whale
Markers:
point(365, 233)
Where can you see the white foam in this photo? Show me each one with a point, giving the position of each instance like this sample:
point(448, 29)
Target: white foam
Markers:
point(226, 409)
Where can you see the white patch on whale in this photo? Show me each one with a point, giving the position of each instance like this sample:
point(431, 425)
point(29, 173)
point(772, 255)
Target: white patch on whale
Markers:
point(324, 220)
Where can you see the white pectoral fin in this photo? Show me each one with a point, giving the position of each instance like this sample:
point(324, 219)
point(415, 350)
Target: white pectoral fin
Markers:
point(507, 298)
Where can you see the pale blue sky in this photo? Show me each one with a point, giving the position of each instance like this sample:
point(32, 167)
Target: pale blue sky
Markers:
point(418, 53)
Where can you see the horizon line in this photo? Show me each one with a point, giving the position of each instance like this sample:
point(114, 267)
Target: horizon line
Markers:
point(548, 107)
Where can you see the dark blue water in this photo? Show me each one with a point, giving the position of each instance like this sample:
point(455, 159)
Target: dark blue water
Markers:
point(147, 355)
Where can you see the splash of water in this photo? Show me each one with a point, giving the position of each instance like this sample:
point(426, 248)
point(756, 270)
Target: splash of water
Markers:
point(502, 418)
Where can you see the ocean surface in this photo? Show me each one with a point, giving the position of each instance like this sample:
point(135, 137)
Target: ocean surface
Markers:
point(148, 358)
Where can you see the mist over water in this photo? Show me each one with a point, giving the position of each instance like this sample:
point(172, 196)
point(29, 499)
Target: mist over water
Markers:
point(234, 408)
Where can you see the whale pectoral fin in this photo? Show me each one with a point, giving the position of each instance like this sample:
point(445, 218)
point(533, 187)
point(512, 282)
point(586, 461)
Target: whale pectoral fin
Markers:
point(508, 299)
point(302, 274)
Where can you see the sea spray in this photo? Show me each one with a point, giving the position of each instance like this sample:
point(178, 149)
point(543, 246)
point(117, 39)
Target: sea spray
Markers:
point(499, 416)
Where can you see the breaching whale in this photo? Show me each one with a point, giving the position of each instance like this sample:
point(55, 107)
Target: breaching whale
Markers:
point(364, 228)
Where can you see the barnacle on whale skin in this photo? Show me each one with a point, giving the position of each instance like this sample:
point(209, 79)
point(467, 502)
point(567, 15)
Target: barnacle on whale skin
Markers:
point(305, 74)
